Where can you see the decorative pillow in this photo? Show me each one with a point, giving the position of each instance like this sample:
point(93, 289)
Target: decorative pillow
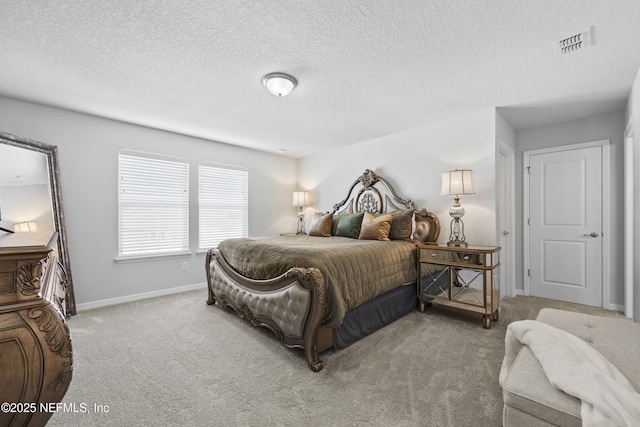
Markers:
point(422, 231)
point(375, 227)
point(349, 225)
point(402, 225)
point(321, 225)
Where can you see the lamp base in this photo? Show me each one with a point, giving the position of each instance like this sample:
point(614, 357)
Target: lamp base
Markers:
point(457, 238)
point(457, 243)
point(301, 229)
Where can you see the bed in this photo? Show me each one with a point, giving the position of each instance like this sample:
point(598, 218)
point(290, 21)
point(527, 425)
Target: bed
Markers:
point(339, 283)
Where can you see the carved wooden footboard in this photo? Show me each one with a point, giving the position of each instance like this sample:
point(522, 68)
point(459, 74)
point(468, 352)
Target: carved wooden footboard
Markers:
point(292, 305)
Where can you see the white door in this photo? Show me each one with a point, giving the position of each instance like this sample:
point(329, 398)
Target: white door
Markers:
point(565, 232)
point(505, 218)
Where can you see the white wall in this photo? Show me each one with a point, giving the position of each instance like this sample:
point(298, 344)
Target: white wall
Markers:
point(505, 132)
point(607, 126)
point(505, 146)
point(413, 162)
point(88, 153)
point(633, 124)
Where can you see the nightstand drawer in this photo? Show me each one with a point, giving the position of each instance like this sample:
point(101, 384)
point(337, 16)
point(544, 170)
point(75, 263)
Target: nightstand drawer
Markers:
point(431, 254)
point(436, 256)
point(460, 257)
point(469, 258)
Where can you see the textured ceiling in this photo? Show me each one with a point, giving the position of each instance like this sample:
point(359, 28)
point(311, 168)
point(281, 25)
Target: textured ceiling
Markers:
point(365, 68)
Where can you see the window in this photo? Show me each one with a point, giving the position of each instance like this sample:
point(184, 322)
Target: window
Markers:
point(223, 204)
point(153, 205)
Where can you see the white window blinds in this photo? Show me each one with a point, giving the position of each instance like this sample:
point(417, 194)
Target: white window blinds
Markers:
point(153, 205)
point(223, 194)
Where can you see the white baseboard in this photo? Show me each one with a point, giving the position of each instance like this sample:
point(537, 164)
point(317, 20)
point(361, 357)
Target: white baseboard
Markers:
point(517, 292)
point(616, 307)
point(610, 306)
point(136, 297)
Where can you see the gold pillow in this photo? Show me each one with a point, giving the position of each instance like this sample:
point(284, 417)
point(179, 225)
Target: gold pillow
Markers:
point(321, 225)
point(375, 228)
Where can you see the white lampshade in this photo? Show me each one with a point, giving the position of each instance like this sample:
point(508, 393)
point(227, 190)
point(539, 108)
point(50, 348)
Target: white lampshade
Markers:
point(279, 84)
point(25, 227)
point(300, 198)
point(457, 183)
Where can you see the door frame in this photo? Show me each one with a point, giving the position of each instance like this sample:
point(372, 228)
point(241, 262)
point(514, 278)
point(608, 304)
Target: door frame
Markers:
point(630, 156)
point(605, 144)
point(509, 260)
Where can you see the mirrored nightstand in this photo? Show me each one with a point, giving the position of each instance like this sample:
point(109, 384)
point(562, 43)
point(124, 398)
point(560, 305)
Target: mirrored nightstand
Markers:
point(464, 278)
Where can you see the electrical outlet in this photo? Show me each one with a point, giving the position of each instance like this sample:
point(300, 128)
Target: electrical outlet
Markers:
point(185, 266)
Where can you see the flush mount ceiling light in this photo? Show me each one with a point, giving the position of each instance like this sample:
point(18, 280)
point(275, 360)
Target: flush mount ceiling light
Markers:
point(279, 84)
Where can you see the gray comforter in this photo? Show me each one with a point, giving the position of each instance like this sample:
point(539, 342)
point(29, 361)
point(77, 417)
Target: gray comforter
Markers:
point(355, 271)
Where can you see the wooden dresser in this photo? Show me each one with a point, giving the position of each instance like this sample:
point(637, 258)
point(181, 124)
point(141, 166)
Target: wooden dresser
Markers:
point(35, 344)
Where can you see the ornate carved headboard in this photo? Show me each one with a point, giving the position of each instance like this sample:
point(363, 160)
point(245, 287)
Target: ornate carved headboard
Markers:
point(373, 194)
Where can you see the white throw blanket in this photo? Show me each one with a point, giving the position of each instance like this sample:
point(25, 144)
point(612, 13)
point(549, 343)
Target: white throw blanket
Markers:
point(573, 366)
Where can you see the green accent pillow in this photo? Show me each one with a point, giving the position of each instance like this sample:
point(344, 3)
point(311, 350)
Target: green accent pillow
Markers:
point(349, 225)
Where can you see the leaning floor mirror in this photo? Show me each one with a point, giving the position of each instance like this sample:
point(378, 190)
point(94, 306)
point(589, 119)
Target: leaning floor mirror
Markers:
point(31, 198)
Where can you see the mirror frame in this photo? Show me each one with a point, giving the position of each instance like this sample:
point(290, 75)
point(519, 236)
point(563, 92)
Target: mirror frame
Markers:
point(51, 153)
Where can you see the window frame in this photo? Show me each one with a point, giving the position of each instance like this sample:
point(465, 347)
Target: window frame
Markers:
point(204, 246)
point(161, 204)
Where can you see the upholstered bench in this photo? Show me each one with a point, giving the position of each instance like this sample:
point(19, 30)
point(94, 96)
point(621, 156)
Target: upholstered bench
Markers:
point(529, 398)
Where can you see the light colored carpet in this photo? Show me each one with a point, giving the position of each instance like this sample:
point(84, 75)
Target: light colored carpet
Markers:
point(174, 360)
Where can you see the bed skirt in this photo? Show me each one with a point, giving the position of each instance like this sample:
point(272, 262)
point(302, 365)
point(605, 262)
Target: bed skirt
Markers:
point(375, 314)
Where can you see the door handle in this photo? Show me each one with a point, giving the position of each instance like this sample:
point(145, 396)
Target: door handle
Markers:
point(592, 234)
point(504, 233)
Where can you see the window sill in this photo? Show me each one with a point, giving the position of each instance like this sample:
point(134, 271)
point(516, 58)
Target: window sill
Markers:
point(202, 251)
point(139, 258)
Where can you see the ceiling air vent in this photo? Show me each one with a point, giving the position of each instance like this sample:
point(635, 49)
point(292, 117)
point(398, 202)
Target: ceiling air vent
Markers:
point(573, 43)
